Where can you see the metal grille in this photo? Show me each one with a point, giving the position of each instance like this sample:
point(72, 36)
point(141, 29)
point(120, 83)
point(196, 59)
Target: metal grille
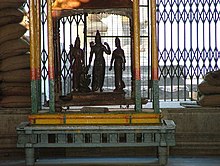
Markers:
point(145, 58)
point(109, 26)
point(187, 42)
point(44, 48)
point(108, 33)
point(44, 52)
point(70, 28)
point(188, 45)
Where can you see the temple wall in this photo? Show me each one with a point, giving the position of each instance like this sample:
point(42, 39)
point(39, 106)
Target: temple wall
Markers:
point(197, 130)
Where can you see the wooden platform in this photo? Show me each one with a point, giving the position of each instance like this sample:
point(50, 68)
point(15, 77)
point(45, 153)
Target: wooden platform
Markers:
point(103, 136)
point(97, 99)
point(107, 118)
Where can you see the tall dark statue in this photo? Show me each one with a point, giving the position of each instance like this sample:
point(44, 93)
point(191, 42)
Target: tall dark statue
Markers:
point(77, 63)
point(98, 72)
point(119, 65)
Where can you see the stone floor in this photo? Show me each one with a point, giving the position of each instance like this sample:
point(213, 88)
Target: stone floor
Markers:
point(173, 161)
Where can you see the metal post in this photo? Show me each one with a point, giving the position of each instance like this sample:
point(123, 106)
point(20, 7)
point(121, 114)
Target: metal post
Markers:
point(50, 56)
point(38, 53)
point(132, 59)
point(154, 58)
point(34, 102)
point(136, 22)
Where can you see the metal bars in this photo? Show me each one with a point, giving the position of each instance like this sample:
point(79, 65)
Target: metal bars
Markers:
point(188, 45)
point(77, 20)
point(70, 28)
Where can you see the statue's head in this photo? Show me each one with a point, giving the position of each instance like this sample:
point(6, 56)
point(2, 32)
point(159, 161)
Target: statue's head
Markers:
point(97, 37)
point(117, 42)
point(77, 42)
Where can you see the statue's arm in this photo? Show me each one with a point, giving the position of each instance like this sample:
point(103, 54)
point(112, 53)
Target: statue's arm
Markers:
point(92, 44)
point(90, 57)
point(112, 59)
point(107, 50)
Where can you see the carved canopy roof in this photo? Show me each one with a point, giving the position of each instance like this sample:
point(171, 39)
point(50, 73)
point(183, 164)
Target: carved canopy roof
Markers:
point(63, 8)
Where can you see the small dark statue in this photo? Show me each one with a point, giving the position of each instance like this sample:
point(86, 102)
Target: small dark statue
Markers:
point(98, 72)
point(119, 65)
point(81, 79)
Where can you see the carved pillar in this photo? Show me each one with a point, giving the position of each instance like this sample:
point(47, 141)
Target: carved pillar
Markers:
point(136, 23)
point(154, 58)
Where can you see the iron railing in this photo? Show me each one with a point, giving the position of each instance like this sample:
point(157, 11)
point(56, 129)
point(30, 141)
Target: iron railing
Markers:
point(188, 45)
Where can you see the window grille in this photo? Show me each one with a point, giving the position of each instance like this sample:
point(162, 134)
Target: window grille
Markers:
point(188, 45)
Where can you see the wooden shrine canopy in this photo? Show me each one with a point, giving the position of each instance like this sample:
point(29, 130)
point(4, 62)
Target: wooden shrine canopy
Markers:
point(62, 8)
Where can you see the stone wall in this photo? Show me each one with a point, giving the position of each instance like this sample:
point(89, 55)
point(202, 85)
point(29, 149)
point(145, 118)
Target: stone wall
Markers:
point(9, 119)
point(197, 130)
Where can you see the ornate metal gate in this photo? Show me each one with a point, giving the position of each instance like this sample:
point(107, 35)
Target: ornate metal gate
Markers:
point(188, 45)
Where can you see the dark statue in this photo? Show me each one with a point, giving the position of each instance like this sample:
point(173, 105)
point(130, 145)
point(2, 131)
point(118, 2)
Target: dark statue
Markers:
point(119, 65)
point(98, 72)
point(81, 79)
point(84, 80)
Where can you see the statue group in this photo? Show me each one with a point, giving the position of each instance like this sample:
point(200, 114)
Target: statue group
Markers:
point(81, 78)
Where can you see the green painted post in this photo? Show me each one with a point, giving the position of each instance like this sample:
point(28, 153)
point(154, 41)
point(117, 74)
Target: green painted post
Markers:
point(39, 93)
point(52, 97)
point(34, 103)
point(136, 54)
point(156, 103)
point(138, 96)
point(155, 64)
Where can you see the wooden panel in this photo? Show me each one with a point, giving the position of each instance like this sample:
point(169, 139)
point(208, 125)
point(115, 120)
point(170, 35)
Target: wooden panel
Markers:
point(96, 118)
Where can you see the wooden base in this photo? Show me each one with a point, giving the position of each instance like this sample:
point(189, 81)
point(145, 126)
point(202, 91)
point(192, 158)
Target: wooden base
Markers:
point(93, 136)
point(109, 118)
point(97, 99)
